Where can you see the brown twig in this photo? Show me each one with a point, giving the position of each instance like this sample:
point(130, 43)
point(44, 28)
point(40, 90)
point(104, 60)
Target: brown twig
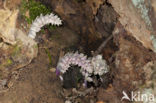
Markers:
point(102, 45)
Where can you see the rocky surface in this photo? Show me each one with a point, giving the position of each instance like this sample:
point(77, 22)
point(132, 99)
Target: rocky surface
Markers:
point(86, 24)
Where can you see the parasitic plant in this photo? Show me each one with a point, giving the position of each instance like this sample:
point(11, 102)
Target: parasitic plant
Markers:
point(76, 59)
point(89, 66)
point(41, 21)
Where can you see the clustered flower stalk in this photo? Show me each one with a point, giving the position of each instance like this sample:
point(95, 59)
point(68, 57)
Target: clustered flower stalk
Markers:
point(76, 59)
point(89, 66)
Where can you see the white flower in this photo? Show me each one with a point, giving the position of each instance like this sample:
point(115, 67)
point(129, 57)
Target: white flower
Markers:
point(40, 21)
point(99, 65)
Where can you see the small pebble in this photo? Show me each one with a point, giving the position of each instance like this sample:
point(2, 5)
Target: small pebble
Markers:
point(67, 101)
point(52, 69)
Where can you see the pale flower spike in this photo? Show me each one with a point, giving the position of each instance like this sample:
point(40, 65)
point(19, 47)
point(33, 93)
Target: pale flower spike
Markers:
point(95, 65)
point(76, 59)
point(40, 21)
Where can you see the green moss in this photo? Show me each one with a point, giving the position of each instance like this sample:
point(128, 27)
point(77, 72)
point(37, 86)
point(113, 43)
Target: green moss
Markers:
point(36, 46)
point(34, 9)
point(16, 50)
point(9, 62)
point(23, 7)
point(49, 55)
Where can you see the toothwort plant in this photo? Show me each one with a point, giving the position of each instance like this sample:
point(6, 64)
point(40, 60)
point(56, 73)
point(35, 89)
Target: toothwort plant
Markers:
point(40, 21)
point(89, 66)
point(76, 59)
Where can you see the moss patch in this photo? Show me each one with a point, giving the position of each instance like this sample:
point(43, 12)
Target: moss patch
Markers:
point(31, 9)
